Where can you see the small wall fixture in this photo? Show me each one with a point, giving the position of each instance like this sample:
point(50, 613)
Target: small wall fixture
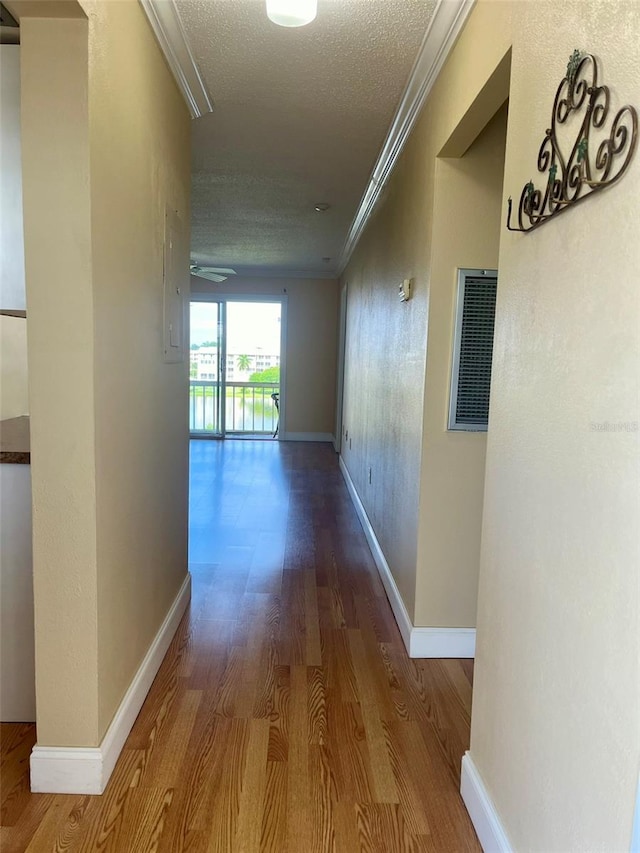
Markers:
point(404, 291)
point(292, 13)
point(593, 161)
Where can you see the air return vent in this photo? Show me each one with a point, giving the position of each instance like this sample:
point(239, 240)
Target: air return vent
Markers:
point(473, 350)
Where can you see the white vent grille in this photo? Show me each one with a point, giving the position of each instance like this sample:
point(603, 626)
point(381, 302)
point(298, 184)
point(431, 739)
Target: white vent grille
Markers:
point(473, 349)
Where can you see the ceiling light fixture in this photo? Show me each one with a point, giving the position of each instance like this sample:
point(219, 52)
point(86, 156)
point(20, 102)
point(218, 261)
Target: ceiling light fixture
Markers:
point(292, 13)
point(322, 206)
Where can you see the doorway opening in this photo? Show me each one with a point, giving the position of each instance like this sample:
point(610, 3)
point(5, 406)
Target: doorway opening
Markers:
point(236, 366)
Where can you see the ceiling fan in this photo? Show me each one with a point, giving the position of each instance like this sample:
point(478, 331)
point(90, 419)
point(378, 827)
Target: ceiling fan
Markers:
point(211, 273)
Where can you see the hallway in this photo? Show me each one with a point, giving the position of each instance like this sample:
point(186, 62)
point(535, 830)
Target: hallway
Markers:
point(286, 715)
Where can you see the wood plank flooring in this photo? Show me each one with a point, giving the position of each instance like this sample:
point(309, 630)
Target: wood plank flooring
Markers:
point(286, 716)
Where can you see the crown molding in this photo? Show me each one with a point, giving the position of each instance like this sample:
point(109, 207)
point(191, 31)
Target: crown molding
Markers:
point(169, 31)
point(444, 28)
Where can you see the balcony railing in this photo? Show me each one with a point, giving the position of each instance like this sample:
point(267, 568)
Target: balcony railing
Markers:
point(248, 408)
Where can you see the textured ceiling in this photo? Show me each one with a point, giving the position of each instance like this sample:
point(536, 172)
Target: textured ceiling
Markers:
point(299, 117)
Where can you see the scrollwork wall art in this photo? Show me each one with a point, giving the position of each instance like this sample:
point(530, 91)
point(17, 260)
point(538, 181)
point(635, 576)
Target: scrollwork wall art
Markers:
point(596, 157)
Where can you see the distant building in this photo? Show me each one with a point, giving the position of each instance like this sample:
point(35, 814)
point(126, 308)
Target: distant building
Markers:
point(205, 361)
point(204, 364)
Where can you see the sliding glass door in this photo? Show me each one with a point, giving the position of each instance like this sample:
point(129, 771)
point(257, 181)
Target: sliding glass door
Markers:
point(235, 366)
point(206, 369)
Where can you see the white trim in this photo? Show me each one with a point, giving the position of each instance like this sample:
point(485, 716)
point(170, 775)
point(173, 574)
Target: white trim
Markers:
point(482, 812)
point(86, 770)
point(169, 31)
point(445, 26)
point(419, 642)
point(307, 436)
point(443, 643)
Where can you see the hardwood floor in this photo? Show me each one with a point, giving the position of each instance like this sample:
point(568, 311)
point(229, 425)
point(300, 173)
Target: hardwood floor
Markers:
point(286, 716)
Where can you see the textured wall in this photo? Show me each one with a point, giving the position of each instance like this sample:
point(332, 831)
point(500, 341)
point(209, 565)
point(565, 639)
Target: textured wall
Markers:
point(384, 371)
point(384, 402)
point(109, 418)
point(140, 164)
point(466, 227)
point(556, 713)
point(57, 222)
point(312, 317)
point(556, 716)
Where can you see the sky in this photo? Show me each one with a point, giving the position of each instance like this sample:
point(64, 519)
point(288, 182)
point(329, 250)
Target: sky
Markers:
point(251, 326)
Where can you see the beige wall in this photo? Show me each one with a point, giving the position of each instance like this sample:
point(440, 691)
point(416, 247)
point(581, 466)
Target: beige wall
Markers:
point(13, 331)
point(384, 372)
point(312, 317)
point(466, 227)
point(12, 293)
point(393, 409)
point(14, 392)
point(140, 165)
point(109, 418)
point(57, 210)
point(556, 714)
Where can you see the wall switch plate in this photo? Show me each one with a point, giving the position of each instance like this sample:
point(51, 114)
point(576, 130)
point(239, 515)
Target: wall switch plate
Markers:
point(174, 304)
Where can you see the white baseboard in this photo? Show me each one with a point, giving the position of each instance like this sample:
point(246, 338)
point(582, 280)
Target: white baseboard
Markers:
point(307, 436)
point(482, 812)
point(443, 643)
point(86, 770)
point(419, 642)
point(393, 594)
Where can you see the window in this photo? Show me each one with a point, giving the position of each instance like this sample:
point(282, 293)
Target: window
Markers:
point(473, 350)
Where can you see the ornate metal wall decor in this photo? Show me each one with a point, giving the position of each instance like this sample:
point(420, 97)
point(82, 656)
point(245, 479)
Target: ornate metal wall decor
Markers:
point(599, 156)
